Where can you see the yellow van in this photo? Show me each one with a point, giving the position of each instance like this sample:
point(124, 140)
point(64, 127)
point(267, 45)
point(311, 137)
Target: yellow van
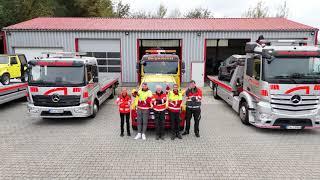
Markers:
point(13, 66)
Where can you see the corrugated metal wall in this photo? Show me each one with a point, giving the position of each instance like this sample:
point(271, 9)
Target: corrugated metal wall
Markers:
point(192, 43)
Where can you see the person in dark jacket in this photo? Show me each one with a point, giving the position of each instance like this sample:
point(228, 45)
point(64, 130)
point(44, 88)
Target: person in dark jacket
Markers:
point(193, 103)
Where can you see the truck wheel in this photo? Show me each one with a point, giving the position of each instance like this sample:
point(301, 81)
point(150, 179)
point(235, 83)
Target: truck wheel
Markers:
point(24, 78)
point(5, 79)
point(95, 110)
point(244, 113)
point(113, 93)
point(134, 127)
point(215, 92)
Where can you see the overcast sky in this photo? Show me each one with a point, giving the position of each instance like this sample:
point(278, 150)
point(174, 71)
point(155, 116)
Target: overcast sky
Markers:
point(303, 11)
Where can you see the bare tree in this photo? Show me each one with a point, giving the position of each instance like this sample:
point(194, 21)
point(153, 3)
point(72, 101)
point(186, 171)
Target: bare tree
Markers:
point(141, 14)
point(122, 10)
point(198, 13)
point(260, 10)
point(162, 11)
point(175, 13)
point(283, 10)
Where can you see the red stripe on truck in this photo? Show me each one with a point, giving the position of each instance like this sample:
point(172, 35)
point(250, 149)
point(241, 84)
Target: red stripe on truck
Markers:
point(64, 89)
point(5, 88)
point(108, 85)
point(219, 83)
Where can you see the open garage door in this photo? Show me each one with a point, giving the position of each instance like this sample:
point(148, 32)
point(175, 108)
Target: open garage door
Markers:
point(218, 50)
point(107, 52)
point(32, 53)
point(165, 44)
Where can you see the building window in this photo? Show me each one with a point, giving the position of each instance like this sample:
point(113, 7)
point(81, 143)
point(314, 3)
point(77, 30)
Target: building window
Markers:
point(107, 61)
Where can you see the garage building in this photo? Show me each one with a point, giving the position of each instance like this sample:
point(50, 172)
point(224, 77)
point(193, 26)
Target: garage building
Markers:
point(120, 43)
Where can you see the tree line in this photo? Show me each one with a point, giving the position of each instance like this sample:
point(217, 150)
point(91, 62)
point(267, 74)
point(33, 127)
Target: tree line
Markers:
point(15, 11)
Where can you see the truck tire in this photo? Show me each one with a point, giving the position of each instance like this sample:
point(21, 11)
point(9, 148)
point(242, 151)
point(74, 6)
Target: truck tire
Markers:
point(215, 92)
point(244, 113)
point(113, 93)
point(5, 79)
point(95, 110)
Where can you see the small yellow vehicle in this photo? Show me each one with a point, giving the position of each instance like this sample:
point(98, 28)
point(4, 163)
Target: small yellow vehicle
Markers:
point(13, 66)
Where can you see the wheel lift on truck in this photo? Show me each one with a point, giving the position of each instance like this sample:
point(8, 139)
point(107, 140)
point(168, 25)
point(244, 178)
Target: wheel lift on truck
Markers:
point(66, 85)
point(277, 87)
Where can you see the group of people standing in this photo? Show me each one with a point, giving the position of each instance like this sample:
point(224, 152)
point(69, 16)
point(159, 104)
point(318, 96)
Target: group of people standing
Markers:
point(160, 101)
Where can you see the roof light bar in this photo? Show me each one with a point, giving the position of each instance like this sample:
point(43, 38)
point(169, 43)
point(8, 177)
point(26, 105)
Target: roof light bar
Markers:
point(64, 54)
point(161, 51)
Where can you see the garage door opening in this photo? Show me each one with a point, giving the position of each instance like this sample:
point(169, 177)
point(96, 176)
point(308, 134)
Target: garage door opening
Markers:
point(165, 44)
point(217, 50)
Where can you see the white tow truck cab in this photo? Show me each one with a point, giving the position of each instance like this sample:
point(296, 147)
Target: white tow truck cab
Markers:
point(67, 85)
point(277, 87)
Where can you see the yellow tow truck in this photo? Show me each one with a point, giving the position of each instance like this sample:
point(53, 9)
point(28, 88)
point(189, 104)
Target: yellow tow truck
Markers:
point(159, 67)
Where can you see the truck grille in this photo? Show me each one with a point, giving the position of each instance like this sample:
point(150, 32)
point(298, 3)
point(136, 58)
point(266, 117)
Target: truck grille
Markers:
point(285, 103)
point(64, 101)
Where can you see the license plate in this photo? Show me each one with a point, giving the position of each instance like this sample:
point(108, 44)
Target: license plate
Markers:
point(293, 127)
point(56, 111)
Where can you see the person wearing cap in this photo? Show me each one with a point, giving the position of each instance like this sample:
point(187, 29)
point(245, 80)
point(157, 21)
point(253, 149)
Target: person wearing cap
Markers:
point(174, 107)
point(193, 98)
point(159, 102)
point(143, 109)
point(124, 102)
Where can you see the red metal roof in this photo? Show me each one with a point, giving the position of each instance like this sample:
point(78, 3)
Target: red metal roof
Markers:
point(166, 24)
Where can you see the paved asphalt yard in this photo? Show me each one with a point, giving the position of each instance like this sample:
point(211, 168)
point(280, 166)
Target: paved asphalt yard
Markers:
point(92, 148)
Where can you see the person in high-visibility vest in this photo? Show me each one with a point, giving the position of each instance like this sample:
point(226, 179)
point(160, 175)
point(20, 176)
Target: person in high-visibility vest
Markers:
point(174, 107)
point(124, 102)
point(159, 102)
point(143, 109)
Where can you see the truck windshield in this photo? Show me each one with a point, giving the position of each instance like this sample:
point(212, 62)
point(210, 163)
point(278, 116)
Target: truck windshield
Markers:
point(4, 60)
point(160, 67)
point(152, 86)
point(57, 76)
point(296, 70)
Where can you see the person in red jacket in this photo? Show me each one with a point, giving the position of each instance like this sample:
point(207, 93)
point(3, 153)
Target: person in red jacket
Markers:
point(159, 103)
point(124, 102)
point(193, 97)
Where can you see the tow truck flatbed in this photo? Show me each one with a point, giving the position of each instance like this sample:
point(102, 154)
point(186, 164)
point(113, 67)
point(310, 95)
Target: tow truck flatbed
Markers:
point(12, 92)
point(224, 84)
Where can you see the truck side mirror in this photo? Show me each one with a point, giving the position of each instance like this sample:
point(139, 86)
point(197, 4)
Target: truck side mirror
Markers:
point(95, 79)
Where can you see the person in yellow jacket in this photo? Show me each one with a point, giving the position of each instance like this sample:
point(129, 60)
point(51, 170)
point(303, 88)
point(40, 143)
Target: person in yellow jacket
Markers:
point(174, 107)
point(144, 97)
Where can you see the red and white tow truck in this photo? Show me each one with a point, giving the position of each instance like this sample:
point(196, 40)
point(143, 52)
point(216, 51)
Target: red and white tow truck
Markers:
point(67, 85)
point(277, 87)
